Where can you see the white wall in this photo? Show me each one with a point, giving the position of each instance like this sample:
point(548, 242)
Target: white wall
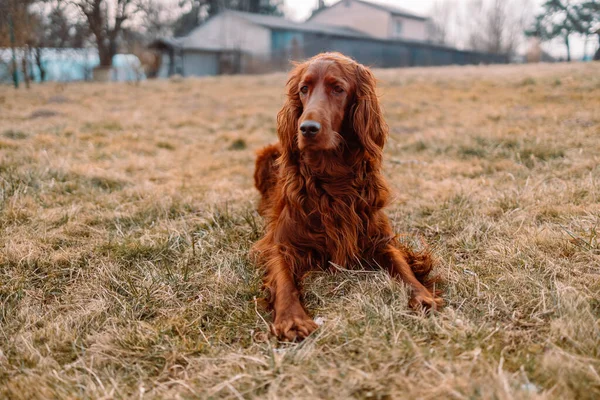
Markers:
point(371, 20)
point(358, 16)
point(412, 29)
point(228, 31)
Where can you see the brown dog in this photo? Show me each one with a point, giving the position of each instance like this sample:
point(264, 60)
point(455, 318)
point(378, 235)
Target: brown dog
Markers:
point(323, 193)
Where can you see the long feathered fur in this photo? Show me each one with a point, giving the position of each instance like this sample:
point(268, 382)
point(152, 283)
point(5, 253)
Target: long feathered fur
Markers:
point(327, 207)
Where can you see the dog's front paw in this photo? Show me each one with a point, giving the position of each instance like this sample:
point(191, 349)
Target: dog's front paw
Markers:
point(425, 300)
point(293, 326)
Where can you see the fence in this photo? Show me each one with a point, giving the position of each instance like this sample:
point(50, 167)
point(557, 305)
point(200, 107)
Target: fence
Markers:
point(375, 52)
point(65, 65)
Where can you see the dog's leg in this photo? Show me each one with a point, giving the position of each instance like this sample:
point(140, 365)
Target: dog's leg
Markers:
point(396, 263)
point(290, 320)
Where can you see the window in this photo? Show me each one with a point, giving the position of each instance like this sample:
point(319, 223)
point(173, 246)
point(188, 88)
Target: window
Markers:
point(397, 28)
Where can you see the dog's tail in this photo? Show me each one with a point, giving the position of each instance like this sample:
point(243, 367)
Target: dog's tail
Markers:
point(265, 174)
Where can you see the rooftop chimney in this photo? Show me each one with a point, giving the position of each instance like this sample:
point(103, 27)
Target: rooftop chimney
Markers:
point(321, 4)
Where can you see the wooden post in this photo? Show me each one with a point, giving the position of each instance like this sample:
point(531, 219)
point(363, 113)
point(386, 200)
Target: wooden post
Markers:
point(24, 68)
point(11, 27)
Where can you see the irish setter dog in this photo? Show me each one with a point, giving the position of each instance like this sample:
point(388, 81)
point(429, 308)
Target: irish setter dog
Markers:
point(323, 194)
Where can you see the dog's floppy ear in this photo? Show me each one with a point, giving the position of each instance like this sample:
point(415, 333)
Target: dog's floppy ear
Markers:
point(287, 118)
point(367, 118)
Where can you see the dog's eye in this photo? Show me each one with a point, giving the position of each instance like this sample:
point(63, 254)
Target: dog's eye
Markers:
point(304, 89)
point(338, 89)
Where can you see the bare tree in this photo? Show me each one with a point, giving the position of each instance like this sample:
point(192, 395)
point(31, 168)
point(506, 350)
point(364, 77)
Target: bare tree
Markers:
point(17, 27)
point(441, 22)
point(55, 28)
point(156, 19)
point(497, 26)
point(200, 10)
point(105, 19)
point(15, 22)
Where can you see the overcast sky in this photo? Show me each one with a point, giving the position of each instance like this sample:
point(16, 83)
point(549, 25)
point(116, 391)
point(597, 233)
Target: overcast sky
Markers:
point(301, 9)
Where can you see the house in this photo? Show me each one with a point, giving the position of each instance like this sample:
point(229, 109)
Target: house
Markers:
point(241, 42)
point(377, 20)
point(234, 42)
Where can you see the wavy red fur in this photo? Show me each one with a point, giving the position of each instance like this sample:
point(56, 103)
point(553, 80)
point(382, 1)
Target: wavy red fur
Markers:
point(323, 196)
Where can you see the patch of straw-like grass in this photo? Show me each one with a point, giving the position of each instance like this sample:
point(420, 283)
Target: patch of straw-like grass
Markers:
point(127, 214)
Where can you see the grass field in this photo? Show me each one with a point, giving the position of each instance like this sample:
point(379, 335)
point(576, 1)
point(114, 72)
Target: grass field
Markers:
point(127, 213)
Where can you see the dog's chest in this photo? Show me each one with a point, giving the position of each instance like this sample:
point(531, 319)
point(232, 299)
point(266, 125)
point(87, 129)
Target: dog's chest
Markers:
point(315, 222)
point(337, 228)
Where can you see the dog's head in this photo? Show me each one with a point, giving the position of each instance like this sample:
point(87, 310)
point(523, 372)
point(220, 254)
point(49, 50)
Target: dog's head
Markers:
point(331, 102)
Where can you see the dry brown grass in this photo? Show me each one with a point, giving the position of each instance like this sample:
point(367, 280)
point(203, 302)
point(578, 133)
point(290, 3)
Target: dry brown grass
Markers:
point(127, 213)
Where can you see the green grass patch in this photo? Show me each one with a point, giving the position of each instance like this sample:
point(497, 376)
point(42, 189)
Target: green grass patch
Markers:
point(238, 144)
point(14, 134)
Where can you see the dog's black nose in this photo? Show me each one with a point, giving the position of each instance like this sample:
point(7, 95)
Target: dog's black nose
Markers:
point(310, 128)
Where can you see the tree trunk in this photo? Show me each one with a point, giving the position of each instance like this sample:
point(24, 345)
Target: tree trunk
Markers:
point(24, 68)
point(98, 15)
point(568, 44)
point(30, 63)
point(15, 71)
point(97, 22)
point(104, 52)
point(597, 55)
point(38, 61)
point(101, 73)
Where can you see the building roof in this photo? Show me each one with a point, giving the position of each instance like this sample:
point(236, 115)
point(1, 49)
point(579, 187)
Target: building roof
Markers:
point(394, 10)
point(162, 43)
point(187, 44)
point(274, 22)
